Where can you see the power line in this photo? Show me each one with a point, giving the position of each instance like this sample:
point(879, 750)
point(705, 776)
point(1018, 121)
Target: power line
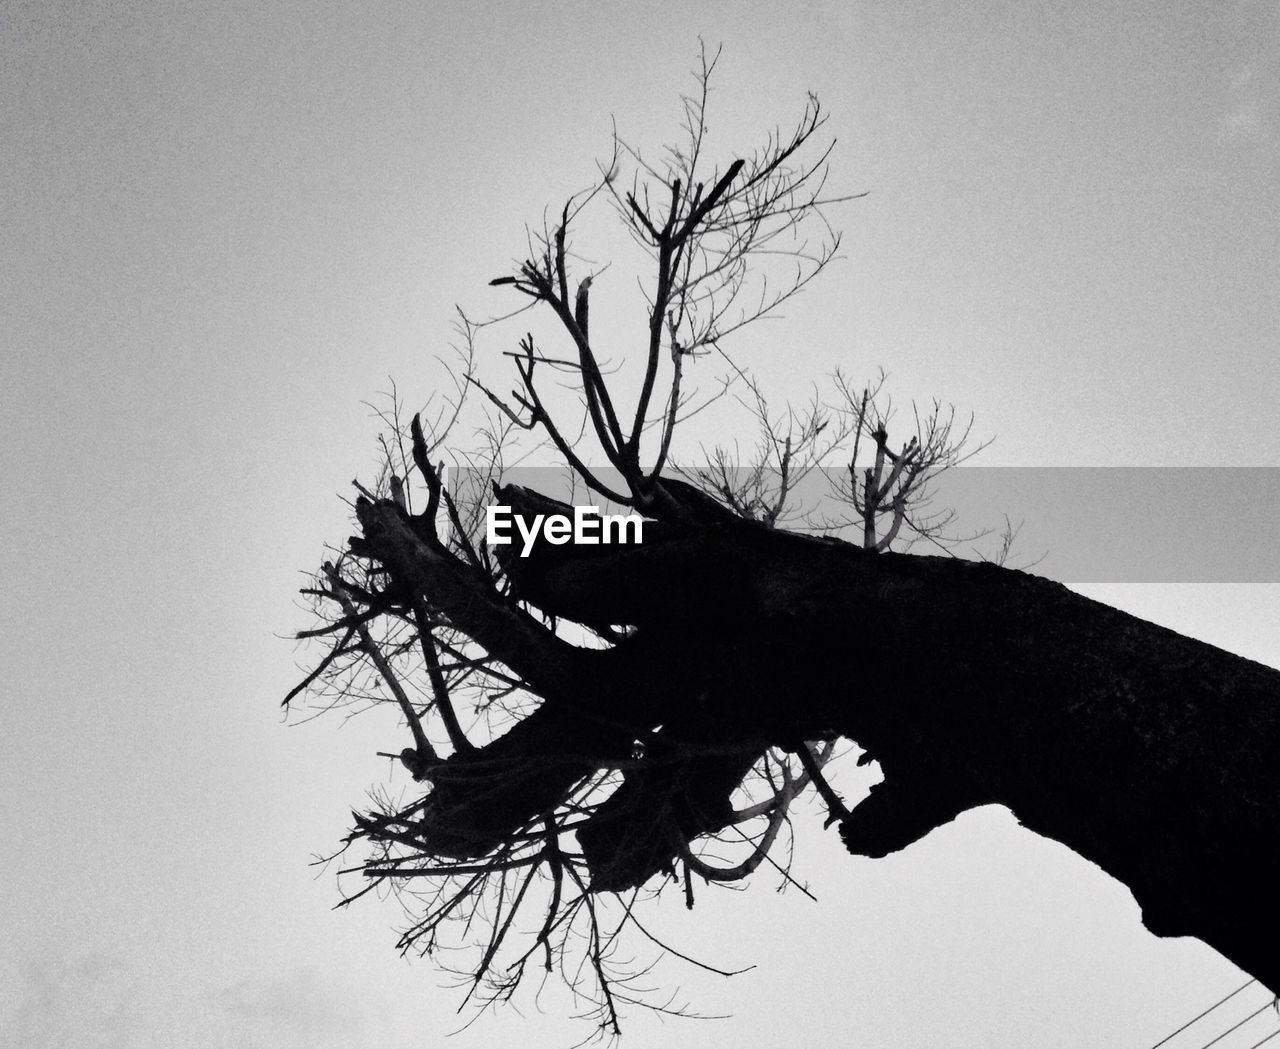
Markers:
point(1170, 1037)
point(1265, 1006)
point(1267, 1039)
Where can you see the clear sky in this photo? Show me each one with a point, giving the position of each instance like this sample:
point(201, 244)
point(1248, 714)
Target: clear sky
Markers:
point(222, 227)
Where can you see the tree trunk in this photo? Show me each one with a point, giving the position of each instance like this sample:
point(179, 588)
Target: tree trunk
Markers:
point(1151, 754)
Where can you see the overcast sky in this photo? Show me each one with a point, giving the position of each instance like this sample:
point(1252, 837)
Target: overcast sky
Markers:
point(222, 227)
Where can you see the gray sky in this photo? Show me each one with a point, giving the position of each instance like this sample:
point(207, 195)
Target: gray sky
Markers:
point(225, 225)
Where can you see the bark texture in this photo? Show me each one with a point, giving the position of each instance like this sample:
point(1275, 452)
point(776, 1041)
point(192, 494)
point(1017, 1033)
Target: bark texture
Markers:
point(1151, 754)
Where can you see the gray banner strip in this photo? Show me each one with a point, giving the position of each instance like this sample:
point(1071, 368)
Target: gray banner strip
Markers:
point(1078, 524)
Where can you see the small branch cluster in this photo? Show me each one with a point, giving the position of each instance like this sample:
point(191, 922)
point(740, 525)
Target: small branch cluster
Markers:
point(707, 235)
point(893, 489)
point(762, 486)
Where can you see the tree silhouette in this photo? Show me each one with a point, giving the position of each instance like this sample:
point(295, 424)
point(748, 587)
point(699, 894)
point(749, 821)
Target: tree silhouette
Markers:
point(593, 722)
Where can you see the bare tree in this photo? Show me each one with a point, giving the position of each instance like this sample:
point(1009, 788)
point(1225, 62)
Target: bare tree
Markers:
point(589, 723)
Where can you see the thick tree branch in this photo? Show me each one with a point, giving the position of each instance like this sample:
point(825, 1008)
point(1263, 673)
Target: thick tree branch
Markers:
point(1149, 753)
